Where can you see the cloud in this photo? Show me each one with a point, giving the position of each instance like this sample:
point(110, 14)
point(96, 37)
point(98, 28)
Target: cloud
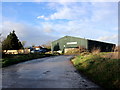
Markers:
point(47, 27)
point(42, 17)
point(76, 0)
point(109, 38)
point(25, 32)
point(75, 28)
point(68, 11)
point(115, 28)
point(114, 37)
point(104, 11)
point(89, 20)
point(93, 11)
point(60, 1)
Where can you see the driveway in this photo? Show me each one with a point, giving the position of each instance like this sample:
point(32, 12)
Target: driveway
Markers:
point(49, 72)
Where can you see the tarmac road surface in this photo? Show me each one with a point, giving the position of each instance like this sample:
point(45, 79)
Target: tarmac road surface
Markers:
point(49, 72)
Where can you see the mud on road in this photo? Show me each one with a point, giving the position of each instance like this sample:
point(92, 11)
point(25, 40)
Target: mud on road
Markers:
point(49, 72)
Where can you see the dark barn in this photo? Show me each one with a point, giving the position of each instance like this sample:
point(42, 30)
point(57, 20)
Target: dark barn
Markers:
point(75, 42)
point(103, 46)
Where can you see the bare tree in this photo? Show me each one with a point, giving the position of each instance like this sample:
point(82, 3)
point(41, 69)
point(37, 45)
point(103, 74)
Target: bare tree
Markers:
point(47, 45)
point(23, 43)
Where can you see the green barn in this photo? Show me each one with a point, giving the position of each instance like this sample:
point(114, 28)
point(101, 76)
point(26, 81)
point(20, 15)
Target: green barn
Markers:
point(75, 42)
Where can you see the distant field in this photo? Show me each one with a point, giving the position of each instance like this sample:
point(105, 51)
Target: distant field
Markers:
point(103, 68)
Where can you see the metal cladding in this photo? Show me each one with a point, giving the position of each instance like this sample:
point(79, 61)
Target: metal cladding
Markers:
point(74, 42)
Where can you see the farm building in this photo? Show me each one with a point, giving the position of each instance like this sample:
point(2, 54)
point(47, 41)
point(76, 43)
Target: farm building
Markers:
point(75, 42)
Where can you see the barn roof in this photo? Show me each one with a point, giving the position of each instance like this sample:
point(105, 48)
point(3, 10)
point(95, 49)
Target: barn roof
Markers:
point(82, 38)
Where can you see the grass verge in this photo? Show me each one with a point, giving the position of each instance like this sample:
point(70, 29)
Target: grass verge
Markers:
point(102, 70)
point(8, 60)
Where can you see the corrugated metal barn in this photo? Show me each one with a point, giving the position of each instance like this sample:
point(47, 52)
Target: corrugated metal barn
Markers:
point(74, 42)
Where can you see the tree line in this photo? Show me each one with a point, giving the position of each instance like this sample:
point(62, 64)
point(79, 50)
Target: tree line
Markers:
point(11, 42)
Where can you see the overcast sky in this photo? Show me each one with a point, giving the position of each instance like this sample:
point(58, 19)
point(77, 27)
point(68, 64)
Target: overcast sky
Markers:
point(40, 22)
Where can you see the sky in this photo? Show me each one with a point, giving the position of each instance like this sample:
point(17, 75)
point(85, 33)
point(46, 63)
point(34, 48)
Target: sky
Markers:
point(40, 22)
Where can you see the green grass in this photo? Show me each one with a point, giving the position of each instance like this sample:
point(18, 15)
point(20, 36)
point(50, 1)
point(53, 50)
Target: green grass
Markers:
point(104, 71)
point(8, 60)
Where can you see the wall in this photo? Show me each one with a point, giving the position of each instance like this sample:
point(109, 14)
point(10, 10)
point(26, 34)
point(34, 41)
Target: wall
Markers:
point(68, 42)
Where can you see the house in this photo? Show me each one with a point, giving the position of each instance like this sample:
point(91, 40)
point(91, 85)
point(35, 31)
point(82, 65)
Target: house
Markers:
point(68, 42)
point(10, 51)
point(20, 51)
point(37, 47)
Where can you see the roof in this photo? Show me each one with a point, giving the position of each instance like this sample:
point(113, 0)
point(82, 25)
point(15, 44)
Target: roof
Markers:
point(37, 47)
point(69, 36)
point(81, 38)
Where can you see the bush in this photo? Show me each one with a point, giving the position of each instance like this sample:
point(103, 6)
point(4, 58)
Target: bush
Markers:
point(95, 51)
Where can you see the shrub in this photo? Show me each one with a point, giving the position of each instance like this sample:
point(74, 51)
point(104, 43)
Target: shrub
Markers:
point(95, 50)
point(72, 51)
point(112, 55)
point(117, 49)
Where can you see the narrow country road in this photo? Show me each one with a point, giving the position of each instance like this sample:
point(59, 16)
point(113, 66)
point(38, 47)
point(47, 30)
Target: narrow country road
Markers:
point(49, 72)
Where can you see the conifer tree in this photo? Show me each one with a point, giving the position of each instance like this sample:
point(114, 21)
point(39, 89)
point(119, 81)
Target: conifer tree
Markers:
point(11, 42)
